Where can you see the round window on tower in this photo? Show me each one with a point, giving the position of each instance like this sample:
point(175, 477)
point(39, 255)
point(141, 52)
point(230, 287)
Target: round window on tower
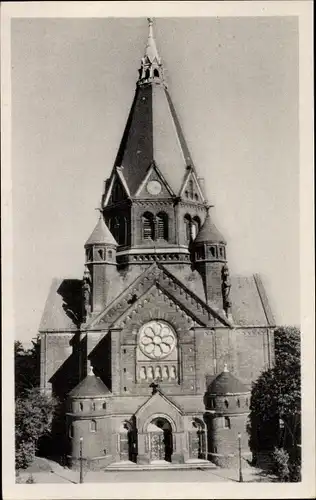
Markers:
point(157, 339)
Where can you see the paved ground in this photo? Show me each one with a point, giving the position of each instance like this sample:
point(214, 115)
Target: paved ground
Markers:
point(59, 474)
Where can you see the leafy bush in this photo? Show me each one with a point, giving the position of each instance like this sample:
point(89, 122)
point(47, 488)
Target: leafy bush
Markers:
point(33, 419)
point(280, 459)
point(24, 454)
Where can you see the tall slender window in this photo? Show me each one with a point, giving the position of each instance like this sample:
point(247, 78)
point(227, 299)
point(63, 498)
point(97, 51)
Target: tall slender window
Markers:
point(93, 426)
point(187, 224)
point(148, 226)
point(162, 226)
point(227, 422)
point(196, 224)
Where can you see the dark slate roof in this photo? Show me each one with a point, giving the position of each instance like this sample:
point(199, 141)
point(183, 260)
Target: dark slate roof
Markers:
point(209, 233)
point(153, 134)
point(90, 387)
point(226, 383)
point(249, 302)
point(101, 234)
point(63, 308)
point(62, 311)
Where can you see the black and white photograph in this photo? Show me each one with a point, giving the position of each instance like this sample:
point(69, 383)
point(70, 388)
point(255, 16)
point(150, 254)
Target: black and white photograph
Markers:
point(157, 222)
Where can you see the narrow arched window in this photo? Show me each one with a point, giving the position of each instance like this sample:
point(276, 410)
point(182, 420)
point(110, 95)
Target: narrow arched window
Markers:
point(147, 73)
point(104, 406)
point(81, 406)
point(89, 254)
point(187, 225)
point(221, 252)
point(238, 403)
point(93, 426)
point(227, 422)
point(148, 226)
point(196, 224)
point(226, 403)
point(156, 73)
point(101, 253)
point(93, 406)
point(213, 251)
point(162, 226)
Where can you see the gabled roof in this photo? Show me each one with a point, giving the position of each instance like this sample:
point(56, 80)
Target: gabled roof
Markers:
point(62, 311)
point(158, 395)
point(101, 235)
point(90, 387)
point(226, 383)
point(159, 276)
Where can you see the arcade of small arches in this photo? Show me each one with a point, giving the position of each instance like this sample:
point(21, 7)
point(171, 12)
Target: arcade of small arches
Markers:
point(166, 373)
point(154, 227)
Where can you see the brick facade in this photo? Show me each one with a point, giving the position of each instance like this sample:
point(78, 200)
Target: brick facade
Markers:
point(133, 349)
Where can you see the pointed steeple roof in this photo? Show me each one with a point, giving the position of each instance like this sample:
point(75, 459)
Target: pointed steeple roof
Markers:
point(209, 232)
point(226, 383)
point(101, 234)
point(151, 51)
point(153, 132)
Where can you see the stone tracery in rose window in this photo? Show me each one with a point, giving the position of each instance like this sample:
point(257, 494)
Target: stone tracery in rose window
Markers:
point(157, 340)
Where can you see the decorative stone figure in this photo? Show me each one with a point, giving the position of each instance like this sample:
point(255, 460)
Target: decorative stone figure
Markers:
point(86, 292)
point(226, 286)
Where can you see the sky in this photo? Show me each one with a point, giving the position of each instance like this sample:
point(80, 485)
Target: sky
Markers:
point(234, 84)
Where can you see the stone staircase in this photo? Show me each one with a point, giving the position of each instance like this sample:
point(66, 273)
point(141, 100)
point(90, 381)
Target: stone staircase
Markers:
point(160, 465)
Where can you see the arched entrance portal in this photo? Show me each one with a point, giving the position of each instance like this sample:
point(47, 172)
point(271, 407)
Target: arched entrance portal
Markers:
point(160, 439)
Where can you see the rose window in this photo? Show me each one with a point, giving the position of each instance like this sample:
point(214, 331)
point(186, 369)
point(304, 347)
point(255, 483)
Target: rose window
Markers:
point(157, 339)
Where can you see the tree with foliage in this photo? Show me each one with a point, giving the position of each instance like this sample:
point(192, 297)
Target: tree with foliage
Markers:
point(27, 366)
point(34, 413)
point(276, 398)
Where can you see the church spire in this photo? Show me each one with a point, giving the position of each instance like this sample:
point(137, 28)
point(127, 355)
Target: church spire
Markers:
point(151, 69)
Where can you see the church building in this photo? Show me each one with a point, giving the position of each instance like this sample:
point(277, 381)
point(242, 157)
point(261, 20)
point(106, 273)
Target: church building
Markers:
point(154, 350)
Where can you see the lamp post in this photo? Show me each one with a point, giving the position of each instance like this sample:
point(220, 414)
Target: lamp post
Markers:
point(80, 460)
point(239, 455)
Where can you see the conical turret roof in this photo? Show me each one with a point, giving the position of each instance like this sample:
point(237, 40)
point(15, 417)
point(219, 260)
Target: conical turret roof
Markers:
point(226, 383)
point(90, 387)
point(209, 233)
point(101, 235)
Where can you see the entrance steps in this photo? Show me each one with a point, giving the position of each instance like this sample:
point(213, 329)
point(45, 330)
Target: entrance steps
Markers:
point(160, 465)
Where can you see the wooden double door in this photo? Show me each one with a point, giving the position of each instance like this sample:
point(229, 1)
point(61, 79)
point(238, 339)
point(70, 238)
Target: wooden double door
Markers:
point(160, 440)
